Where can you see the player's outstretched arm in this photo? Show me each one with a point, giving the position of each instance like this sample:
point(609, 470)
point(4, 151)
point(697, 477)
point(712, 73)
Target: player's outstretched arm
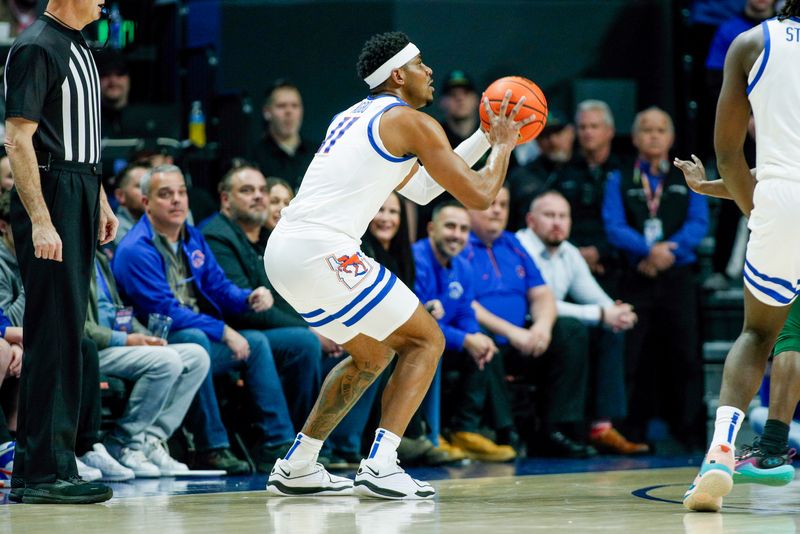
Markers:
point(406, 131)
point(733, 116)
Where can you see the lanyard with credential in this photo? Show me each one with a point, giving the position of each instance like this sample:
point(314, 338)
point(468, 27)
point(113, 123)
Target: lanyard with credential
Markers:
point(653, 199)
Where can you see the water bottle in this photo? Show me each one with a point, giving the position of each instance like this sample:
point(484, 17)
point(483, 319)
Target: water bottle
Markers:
point(115, 27)
point(197, 125)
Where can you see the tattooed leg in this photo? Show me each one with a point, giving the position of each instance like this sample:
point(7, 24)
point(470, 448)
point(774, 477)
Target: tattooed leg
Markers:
point(342, 388)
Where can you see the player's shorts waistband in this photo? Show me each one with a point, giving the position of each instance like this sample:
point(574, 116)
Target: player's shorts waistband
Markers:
point(47, 162)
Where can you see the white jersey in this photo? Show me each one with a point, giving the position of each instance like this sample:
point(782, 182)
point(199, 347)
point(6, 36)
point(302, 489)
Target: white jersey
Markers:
point(351, 175)
point(774, 92)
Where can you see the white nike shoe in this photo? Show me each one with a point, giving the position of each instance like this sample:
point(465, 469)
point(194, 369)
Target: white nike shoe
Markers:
point(389, 481)
point(306, 478)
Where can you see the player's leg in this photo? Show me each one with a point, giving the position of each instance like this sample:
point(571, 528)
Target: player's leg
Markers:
point(298, 472)
point(419, 344)
point(768, 460)
point(742, 375)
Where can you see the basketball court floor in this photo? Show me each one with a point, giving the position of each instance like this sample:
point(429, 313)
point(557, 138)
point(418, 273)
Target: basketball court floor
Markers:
point(606, 494)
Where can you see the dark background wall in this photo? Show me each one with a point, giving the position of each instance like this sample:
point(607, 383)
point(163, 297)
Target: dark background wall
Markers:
point(619, 50)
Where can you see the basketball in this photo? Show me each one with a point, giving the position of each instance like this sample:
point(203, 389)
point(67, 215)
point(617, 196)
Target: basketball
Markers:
point(535, 104)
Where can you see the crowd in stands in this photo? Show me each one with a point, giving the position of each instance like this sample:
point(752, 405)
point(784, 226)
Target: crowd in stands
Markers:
point(569, 307)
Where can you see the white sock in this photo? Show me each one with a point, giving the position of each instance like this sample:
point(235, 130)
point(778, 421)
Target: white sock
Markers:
point(729, 421)
point(384, 447)
point(304, 449)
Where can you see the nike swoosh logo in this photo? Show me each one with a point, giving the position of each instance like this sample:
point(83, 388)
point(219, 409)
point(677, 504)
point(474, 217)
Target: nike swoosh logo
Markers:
point(287, 473)
point(372, 470)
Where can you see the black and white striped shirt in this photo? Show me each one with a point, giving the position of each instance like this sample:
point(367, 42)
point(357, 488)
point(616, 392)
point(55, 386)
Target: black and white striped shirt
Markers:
point(51, 79)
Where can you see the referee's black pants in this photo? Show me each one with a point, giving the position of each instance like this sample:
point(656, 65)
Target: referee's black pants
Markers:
point(56, 299)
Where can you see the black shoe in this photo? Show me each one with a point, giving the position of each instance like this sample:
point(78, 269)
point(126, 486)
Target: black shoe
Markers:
point(17, 490)
point(266, 456)
point(222, 459)
point(560, 445)
point(72, 491)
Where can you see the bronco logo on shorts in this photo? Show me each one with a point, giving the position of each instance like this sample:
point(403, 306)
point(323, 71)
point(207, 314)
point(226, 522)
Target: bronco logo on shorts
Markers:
point(351, 269)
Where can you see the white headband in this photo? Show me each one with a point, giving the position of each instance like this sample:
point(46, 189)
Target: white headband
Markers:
point(395, 62)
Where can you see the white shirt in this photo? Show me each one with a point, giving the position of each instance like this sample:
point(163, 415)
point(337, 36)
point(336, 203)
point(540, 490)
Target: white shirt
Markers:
point(567, 274)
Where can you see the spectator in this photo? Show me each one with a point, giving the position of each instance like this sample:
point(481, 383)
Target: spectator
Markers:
point(565, 271)
point(445, 280)
point(556, 144)
point(280, 194)
point(237, 237)
point(552, 351)
point(6, 178)
point(12, 292)
point(129, 197)
point(657, 222)
point(115, 88)
point(584, 186)
point(459, 102)
point(165, 266)
point(10, 367)
point(165, 379)
point(282, 152)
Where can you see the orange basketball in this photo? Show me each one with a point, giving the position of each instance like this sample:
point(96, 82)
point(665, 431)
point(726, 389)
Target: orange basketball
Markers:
point(535, 104)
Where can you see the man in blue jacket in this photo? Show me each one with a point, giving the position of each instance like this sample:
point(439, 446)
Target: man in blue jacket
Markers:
point(444, 279)
point(165, 266)
point(657, 222)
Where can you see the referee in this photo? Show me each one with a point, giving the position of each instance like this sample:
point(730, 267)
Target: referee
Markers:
point(53, 143)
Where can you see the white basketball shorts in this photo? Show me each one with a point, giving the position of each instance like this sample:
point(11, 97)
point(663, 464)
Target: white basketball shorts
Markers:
point(335, 287)
point(772, 263)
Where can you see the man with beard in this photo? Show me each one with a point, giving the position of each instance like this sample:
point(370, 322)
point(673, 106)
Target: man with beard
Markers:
point(569, 277)
point(129, 196)
point(281, 151)
point(443, 276)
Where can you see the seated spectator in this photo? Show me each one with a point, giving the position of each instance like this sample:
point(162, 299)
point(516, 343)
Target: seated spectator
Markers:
point(445, 280)
point(281, 151)
point(280, 193)
point(556, 144)
point(12, 293)
point(6, 178)
point(165, 379)
point(129, 197)
point(10, 367)
point(237, 237)
point(552, 351)
point(657, 222)
point(568, 276)
point(165, 266)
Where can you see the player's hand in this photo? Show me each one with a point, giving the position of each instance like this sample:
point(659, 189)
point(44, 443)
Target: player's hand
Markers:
point(435, 308)
point(236, 343)
point(46, 241)
point(107, 224)
point(693, 172)
point(504, 130)
point(481, 347)
point(260, 299)
point(136, 339)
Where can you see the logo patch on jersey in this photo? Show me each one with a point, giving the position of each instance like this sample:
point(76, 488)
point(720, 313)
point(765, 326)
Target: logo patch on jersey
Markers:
point(520, 271)
point(198, 259)
point(351, 269)
point(455, 290)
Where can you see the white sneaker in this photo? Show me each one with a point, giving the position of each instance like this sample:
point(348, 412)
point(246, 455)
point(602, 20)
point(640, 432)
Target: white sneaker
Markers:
point(306, 478)
point(89, 474)
point(157, 454)
point(110, 469)
point(389, 481)
point(138, 462)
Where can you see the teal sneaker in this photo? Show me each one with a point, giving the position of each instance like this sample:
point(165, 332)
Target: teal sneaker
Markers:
point(754, 466)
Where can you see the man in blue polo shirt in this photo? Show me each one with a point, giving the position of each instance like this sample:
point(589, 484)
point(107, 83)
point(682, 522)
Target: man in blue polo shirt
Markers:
point(552, 351)
point(443, 276)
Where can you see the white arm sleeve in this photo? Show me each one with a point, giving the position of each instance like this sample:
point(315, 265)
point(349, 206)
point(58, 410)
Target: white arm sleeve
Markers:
point(422, 188)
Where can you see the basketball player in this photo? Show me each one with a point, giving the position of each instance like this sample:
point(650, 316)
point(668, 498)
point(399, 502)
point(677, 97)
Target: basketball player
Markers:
point(768, 460)
point(761, 65)
point(313, 259)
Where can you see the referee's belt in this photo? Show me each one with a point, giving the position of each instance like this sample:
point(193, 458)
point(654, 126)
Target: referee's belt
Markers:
point(47, 162)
